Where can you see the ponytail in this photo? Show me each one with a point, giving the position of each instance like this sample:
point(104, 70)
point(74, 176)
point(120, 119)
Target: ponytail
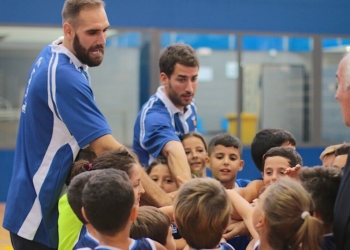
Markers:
point(79, 167)
point(288, 208)
point(309, 235)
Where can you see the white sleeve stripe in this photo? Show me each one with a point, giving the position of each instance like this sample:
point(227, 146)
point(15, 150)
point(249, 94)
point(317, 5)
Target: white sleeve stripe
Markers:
point(52, 82)
point(151, 242)
point(143, 118)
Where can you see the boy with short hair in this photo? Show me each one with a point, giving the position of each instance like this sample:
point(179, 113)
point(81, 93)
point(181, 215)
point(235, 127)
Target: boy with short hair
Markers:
point(202, 212)
point(274, 164)
point(269, 138)
point(109, 205)
point(323, 184)
point(154, 224)
point(87, 236)
point(225, 159)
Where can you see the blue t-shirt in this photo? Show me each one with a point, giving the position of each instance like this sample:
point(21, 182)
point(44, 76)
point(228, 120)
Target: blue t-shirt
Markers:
point(85, 240)
point(58, 117)
point(139, 244)
point(240, 242)
point(159, 122)
point(223, 246)
point(328, 242)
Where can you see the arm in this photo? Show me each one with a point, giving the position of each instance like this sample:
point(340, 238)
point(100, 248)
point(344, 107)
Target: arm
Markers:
point(177, 160)
point(154, 195)
point(159, 246)
point(235, 228)
point(244, 209)
point(168, 210)
point(104, 143)
point(252, 191)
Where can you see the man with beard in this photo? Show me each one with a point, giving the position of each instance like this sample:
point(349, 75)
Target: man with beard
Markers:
point(58, 117)
point(170, 112)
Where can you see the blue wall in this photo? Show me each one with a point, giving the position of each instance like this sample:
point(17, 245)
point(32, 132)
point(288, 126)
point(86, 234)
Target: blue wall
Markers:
point(293, 16)
point(310, 158)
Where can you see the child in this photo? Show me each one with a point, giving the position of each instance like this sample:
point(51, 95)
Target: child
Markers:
point(109, 205)
point(283, 218)
point(202, 212)
point(274, 164)
point(118, 159)
point(87, 235)
point(341, 155)
point(269, 138)
point(328, 154)
point(276, 161)
point(225, 159)
point(196, 152)
point(154, 224)
point(323, 184)
point(159, 172)
point(67, 218)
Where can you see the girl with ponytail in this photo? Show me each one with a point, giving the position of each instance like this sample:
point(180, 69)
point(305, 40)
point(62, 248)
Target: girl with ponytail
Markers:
point(283, 218)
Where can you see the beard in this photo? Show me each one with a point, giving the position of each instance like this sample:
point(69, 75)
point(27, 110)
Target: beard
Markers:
point(84, 54)
point(176, 98)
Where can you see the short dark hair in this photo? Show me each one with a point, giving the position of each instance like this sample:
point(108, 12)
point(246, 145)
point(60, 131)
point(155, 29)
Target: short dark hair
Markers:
point(266, 139)
point(108, 199)
point(343, 149)
point(177, 53)
point(159, 160)
point(322, 183)
point(75, 191)
point(151, 223)
point(292, 155)
point(226, 140)
point(71, 9)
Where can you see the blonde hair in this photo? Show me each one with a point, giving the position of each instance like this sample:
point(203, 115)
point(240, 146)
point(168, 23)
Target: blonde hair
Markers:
point(285, 202)
point(202, 211)
point(329, 150)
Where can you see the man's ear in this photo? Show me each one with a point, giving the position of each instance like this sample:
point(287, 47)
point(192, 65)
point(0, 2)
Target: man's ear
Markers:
point(134, 212)
point(163, 79)
point(84, 214)
point(68, 31)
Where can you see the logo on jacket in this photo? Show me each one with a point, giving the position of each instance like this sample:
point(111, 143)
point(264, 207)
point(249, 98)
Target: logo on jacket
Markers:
point(194, 121)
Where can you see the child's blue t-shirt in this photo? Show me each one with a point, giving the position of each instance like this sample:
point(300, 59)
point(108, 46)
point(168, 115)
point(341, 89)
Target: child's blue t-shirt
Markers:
point(86, 240)
point(139, 244)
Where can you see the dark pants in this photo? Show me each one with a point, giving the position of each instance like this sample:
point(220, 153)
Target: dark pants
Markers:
point(20, 243)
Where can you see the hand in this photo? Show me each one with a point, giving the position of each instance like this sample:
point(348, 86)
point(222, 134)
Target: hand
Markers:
point(180, 181)
point(172, 195)
point(235, 228)
point(293, 172)
point(254, 202)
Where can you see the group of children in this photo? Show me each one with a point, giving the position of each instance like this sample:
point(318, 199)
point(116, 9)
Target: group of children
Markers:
point(102, 207)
